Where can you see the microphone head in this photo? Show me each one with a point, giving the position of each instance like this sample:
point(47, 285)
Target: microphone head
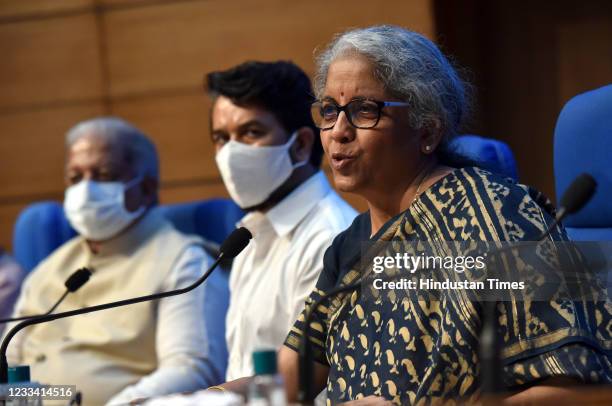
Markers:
point(77, 279)
point(578, 193)
point(235, 242)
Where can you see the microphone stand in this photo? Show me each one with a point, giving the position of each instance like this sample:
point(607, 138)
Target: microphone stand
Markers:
point(51, 317)
point(74, 282)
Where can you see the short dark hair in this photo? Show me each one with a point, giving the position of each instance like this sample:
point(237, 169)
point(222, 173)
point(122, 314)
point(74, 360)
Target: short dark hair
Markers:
point(281, 88)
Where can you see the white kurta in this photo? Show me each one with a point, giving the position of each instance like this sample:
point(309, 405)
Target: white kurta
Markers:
point(141, 350)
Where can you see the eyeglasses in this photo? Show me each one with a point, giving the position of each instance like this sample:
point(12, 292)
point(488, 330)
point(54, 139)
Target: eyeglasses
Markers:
point(360, 113)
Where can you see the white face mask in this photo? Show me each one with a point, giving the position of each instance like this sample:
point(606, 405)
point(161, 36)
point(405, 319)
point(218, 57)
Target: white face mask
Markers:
point(96, 210)
point(252, 173)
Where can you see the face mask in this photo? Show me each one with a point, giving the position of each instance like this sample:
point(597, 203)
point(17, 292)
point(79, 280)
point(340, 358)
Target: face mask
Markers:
point(96, 210)
point(252, 173)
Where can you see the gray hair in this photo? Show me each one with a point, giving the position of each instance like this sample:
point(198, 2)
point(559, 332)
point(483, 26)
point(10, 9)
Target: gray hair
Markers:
point(139, 149)
point(411, 68)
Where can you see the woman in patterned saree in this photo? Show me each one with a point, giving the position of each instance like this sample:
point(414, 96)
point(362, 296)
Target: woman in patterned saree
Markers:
point(388, 104)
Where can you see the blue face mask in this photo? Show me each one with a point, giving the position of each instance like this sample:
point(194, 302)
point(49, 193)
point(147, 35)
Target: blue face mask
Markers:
point(96, 210)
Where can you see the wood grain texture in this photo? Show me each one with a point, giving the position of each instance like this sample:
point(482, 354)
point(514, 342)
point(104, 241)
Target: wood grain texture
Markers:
point(144, 60)
point(172, 45)
point(202, 191)
point(50, 61)
point(178, 124)
point(18, 9)
point(583, 68)
point(32, 150)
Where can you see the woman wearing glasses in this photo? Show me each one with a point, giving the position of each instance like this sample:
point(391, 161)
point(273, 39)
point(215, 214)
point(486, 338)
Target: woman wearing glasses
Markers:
point(388, 105)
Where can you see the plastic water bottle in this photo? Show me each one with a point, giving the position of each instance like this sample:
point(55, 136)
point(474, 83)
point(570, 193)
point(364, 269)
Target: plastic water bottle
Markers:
point(267, 387)
point(19, 377)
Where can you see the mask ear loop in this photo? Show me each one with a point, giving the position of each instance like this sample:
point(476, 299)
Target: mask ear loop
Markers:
point(127, 186)
point(291, 141)
point(131, 183)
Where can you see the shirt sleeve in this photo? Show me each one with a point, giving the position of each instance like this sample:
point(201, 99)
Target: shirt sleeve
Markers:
point(310, 265)
point(190, 341)
point(575, 360)
point(11, 278)
point(318, 326)
point(338, 259)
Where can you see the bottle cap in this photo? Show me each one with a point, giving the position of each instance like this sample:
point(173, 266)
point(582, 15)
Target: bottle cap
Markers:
point(264, 362)
point(20, 373)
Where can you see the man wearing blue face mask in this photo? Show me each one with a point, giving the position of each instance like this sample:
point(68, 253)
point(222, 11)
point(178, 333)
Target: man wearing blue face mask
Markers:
point(268, 152)
point(138, 351)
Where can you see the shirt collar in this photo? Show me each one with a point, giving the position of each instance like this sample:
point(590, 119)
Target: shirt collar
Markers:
point(288, 213)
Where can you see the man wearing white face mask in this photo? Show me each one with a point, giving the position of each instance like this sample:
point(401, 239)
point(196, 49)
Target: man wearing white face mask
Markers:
point(268, 153)
point(139, 351)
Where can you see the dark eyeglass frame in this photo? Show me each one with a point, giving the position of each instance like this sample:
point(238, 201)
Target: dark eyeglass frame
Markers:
point(380, 104)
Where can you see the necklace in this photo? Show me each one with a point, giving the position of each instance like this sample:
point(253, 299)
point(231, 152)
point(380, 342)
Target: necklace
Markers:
point(418, 193)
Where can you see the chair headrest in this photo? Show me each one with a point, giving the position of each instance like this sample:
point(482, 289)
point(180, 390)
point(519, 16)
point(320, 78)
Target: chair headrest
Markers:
point(495, 155)
point(583, 143)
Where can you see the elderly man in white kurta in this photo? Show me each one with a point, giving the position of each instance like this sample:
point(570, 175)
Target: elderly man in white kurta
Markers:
point(138, 351)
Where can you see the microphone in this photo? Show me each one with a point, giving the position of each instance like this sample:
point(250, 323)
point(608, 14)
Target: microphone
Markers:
point(578, 193)
point(73, 283)
point(231, 247)
point(235, 243)
point(576, 196)
point(306, 394)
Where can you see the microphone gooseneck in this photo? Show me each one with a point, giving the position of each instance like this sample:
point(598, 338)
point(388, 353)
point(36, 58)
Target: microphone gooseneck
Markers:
point(231, 247)
point(73, 283)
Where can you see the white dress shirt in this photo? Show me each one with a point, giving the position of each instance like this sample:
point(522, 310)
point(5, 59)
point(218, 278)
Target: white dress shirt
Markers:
point(272, 277)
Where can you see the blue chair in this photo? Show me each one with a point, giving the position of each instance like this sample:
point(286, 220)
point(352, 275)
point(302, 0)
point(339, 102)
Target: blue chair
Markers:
point(42, 227)
point(494, 155)
point(583, 143)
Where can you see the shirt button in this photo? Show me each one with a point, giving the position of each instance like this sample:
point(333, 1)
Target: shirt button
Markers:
point(41, 358)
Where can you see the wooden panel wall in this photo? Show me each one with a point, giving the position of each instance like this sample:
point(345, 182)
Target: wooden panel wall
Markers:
point(63, 61)
point(527, 59)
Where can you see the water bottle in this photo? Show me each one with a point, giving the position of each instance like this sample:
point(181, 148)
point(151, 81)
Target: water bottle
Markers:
point(19, 379)
point(267, 387)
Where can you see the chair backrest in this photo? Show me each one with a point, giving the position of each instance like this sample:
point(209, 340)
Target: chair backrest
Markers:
point(42, 227)
point(583, 143)
point(495, 155)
